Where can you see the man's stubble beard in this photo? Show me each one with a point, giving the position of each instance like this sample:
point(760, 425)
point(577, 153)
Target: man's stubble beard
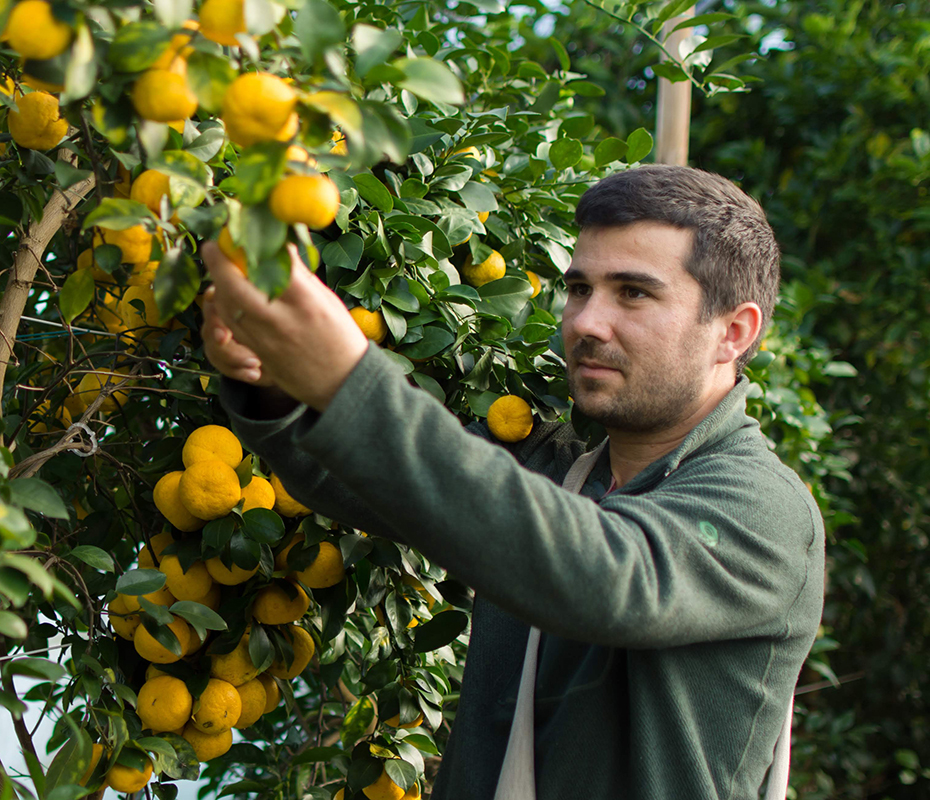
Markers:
point(657, 401)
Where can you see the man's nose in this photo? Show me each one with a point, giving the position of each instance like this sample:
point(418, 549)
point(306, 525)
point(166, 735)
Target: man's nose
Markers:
point(591, 320)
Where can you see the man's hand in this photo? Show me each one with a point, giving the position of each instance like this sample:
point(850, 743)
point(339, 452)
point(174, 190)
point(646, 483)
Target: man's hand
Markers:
point(228, 357)
point(305, 341)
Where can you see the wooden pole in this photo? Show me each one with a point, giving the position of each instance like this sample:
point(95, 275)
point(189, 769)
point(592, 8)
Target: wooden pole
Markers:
point(673, 112)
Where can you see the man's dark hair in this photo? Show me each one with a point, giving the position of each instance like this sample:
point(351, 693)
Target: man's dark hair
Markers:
point(734, 258)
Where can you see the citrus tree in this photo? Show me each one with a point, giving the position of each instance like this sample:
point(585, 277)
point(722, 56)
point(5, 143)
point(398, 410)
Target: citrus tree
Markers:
point(176, 613)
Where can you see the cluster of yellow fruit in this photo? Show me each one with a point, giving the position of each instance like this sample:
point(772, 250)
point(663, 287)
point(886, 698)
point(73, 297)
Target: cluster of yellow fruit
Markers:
point(236, 694)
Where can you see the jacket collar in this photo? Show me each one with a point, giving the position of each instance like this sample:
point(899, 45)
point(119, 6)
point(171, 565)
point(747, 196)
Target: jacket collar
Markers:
point(727, 418)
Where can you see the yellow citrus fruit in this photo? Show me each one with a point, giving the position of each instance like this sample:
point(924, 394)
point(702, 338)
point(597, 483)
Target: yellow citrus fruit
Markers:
point(299, 155)
point(383, 789)
point(280, 560)
point(44, 409)
point(174, 58)
point(533, 278)
point(212, 598)
point(168, 501)
point(394, 722)
point(34, 32)
point(302, 643)
point(91, 385)
point(164, 704)
point(212, 442)
point(258, 493)
point(131, 317)
point(161, 95)
point(510, 418)
point(310, 199)
point(156, 544)
point(326, 570)
point(228, 576)
point(127, 779)
point(135, 243)
point(218, 707)
point(371, 322)
point(413, 793)
point(161, 597)
point(149, 188)
point(468, 152)
point(152, 671)
point(259, 107)
point(43, 86)
point(409, 580)
point(123, 622)
point(221, 20)
point(341, 146)
point(272, 692)
point(37, 123)
point(96, 753)
point(284, 504)
point(236, 666)
point(274, 606)
point(340, 795)
point(185, 585)
point(233, 253)
point(252, 695)
point(491, 269)
point(152, 650)
point(483, 216)
point(207, 746)
point(209, 489)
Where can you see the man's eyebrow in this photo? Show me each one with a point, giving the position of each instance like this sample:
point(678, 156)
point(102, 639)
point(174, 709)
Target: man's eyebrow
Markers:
point(624, 276)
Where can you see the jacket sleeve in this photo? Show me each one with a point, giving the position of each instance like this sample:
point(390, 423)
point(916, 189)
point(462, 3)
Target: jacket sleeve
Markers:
point(705, 556)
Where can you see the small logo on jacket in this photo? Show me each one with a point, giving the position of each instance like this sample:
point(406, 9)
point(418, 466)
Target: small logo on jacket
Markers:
point(708, 534)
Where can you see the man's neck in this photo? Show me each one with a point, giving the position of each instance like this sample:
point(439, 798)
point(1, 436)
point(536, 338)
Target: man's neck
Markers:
point(631, 451)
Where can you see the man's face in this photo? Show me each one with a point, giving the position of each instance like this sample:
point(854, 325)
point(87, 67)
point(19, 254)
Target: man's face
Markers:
point(638, 358)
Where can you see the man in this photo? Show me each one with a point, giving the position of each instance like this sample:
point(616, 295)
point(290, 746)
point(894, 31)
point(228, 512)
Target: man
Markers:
point(678, 594)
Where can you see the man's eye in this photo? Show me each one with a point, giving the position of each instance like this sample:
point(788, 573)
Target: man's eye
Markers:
point(578, 289)
point(634, 294)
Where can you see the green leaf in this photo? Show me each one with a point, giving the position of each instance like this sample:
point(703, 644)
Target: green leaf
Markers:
point(345, 252)
point(839, 369)
point(118, 214)
point(565, 153)
point(373, 46)
point(72, 760)
point(430, 385)
point(639, 145)
point(435, 340)
point(208, 144)
point(140, 581)
point(68, 175)
point(209, 76)
point(702, 19)
point(609, 150)
point(715, 42)
point(478, 197)
point(158, 613)
point(15, 527)
point(81, 74)
point(181, 164)
point(203, 619)
point(586, 89)
point(317, 26)
point(373, 191)
point(76, 294)
point(561, 53)
point(94, 557)
point(401, 772)
point(442, 629)
point(173, 13)
point(260, 650)
point(36, 495)
point(12, 626)
point(356, 721)
point(430, 80)
point(137, 46)
point(218, 532)
point(165, 637)
point(35, 668)
point(262, 525)
point(259, 171)
point(177, 282)
point(505, 296)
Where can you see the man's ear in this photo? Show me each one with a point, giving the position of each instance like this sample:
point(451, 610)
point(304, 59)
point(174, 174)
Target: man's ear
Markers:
point(742, 327)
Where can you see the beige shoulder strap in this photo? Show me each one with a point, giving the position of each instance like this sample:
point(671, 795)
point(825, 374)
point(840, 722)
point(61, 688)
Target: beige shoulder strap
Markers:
point(517, 779)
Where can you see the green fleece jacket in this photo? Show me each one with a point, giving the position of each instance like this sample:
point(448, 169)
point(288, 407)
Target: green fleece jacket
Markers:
point(676, 611)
